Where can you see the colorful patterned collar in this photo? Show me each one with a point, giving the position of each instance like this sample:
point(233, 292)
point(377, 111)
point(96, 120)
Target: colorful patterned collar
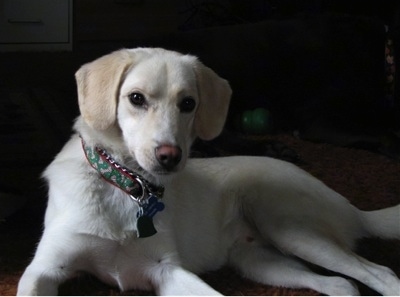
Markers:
point(145, 194)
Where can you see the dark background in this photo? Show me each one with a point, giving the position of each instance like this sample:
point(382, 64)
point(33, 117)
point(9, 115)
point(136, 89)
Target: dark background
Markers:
point(319, 67)
point(311, 63)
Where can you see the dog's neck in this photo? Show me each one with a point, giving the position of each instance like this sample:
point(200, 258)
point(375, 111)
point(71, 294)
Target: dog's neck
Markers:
point(145, 194)
point(120, 176)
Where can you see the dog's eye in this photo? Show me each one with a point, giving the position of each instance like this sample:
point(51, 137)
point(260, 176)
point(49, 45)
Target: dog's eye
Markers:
point(137, 99)
point(187, 104)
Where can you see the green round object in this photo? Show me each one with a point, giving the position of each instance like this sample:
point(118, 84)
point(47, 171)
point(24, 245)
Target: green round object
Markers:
point(260, 120)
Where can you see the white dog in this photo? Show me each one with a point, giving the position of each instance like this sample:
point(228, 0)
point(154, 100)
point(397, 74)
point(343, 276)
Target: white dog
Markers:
point(127, 205)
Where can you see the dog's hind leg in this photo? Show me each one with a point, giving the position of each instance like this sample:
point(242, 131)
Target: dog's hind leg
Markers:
point(317, 248)
point(268, 266)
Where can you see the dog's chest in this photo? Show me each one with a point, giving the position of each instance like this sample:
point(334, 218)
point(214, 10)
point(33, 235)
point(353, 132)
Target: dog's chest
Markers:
point(119, 264)
point(109, 214)
point(129, 264)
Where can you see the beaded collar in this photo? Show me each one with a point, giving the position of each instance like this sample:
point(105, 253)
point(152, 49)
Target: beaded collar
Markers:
point(145, 194)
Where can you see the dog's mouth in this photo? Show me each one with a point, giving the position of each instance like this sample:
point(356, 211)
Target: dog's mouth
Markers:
point(161, 162)
point(159, 175)
point(162, 171)
point(156, 170)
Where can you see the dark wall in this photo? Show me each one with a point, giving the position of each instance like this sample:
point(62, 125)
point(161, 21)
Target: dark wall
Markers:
point(304, 69)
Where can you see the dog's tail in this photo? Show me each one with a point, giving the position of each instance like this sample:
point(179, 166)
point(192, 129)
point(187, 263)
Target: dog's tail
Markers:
point(384, 223)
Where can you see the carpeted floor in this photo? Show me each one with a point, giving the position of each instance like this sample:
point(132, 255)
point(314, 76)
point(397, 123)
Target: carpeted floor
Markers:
point(370, 181)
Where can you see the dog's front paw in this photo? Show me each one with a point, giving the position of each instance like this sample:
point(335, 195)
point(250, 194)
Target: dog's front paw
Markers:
point(27, 289)
point(32, 289)
point(36, 284)
point(338, 286)
point(180, 282)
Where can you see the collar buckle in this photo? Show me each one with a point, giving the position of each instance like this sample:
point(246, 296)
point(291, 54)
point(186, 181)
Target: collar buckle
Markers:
point(140, 199)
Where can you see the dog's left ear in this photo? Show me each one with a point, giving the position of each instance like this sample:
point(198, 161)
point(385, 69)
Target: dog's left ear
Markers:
point(215, 94)
point(98, 85)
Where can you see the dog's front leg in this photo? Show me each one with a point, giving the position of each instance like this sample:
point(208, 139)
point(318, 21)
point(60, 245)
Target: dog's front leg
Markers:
point(178, 281)
point(34, 283)
point(57, 259)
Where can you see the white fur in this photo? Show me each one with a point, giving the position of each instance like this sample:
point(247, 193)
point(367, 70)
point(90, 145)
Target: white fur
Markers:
point(252, 213)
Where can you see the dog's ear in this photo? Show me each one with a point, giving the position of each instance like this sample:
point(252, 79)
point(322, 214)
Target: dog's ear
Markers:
point(215, 94)
point(98, 85)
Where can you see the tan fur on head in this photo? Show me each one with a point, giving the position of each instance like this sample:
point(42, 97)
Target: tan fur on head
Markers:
point(215, 94)
point(98, 86)
point(99, 82)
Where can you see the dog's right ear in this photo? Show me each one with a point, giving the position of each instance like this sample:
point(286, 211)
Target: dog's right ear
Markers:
point(98, 85)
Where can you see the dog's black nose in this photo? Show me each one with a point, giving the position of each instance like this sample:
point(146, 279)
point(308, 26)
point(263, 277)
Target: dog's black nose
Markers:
point(168, 156)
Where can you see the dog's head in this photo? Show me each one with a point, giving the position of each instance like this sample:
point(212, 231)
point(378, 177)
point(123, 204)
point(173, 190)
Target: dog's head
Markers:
point(160, 101)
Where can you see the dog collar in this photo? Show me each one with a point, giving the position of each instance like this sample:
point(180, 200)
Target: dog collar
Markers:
point(145, 194)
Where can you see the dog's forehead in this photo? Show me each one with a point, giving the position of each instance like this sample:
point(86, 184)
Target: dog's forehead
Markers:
point(162, 71)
